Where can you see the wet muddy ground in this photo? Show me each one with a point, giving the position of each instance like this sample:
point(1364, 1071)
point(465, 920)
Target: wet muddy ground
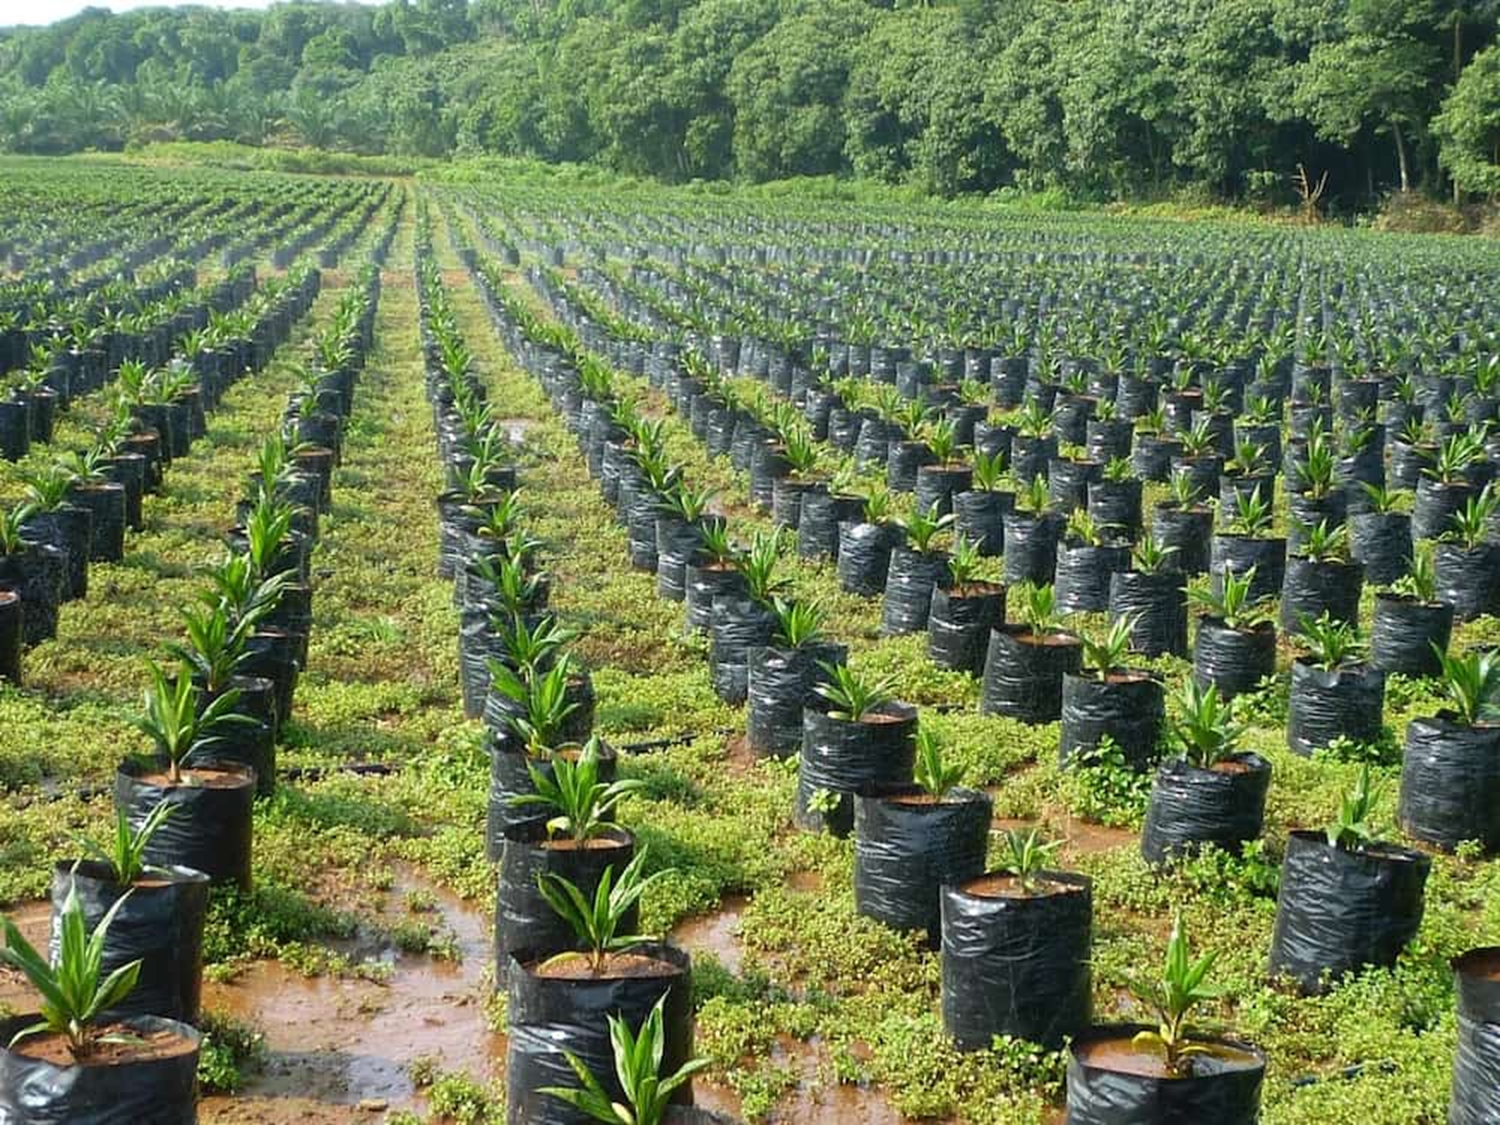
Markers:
point(341, 1049)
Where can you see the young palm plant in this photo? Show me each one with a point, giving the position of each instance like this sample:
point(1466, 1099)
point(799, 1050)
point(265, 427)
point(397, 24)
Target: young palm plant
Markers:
point(583, 804)
point(1472, 684)
point(1330, 643)
point(758, 566)
point(1039, 608)
point(179, 726)
point(853, 697)
point(1106, 653)
point(923, 528)
point(1232, 604)
point(1025, 855)
point(798, 623)
point(125, 851)
point(597, 922)
point(638, 1061)
point(76, 991)
point(1353, 827)
point(1205, 729)
point(1181, 988)
point(931, 772)
point(540, 702)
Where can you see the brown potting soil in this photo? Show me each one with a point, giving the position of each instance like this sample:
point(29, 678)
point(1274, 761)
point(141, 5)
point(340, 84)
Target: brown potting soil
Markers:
point(137, 1047)
point(616, 966)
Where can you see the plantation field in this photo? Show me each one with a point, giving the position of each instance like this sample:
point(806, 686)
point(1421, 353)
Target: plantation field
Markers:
point(635, 369)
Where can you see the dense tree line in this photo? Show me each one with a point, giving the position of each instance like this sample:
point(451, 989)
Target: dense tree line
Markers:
point(1101, 98)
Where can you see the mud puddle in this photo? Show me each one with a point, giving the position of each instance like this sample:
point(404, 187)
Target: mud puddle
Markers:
point(340, 1050)
point(717, 933)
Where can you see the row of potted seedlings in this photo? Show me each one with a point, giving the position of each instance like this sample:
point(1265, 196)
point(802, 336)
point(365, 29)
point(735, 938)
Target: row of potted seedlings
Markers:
point(1377, 887)
point(89, 320)
point(77, 508)
point(920, 855)
point(1026, 669)
point(599, 1015)
point(120, 983)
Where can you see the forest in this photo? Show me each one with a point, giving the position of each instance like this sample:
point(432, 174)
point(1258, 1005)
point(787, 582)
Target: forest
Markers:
point(1095, 99)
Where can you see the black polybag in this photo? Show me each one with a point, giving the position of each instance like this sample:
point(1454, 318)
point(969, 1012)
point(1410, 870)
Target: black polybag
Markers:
point(1191, 806)
point(1156, 605)
point(1466, 578)
point(737, 626)
point(160, 925)
point(70, 529)
point(703, 582)
point(905, 851)
point(1083, 574)
point(787, 495)
point(550, 1016)
point(677, 542)
point(12, 633)
point(1243, 553)
point(1436, 504)
point(979, 517)
point(959, 624)
point(1068, 483)
point(1152, 457)
point(1325, 705)
point(1023, 678)
point(210, 829)
point(1128, 710)
point(1479, 984)
point(937, 485)
point(1475, 1099)
point(272, 654)
point(153, 1091)
point(1450, 783)
point(1188, 531)
point(1233, 660)
point(818, 522)
point(524, 919)
point(1218, 1094)
point(1018, 966)
point(107, 519)
point(780, 684)
point(864, 556)
point(1382, 542)
point(840, 758)
point(1116, 505)
point(1031, 546)
point(1314, 587)
point(910, 580)
point(251, 744)
point(1404, 631)
point(39, 572)
point(1340, 910)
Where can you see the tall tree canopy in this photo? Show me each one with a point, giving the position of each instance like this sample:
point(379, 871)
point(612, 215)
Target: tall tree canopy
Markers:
point(1101, 98)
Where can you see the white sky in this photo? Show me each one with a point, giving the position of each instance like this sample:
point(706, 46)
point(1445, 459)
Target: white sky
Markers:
point(46, 11)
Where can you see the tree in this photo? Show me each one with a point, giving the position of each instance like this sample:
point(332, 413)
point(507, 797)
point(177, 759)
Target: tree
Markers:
point(1379, 77)
point(786, 89)
point(915, 108)
point(1469, 126)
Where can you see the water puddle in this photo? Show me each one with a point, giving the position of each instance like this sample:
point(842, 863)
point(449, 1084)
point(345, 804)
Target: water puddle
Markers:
point(717, 933)
point(340, 1049)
